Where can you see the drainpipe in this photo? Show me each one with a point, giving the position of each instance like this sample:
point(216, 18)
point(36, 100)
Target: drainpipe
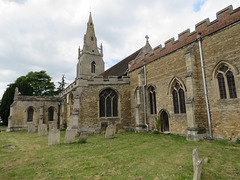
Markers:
point(205, 87)
point(144, 95)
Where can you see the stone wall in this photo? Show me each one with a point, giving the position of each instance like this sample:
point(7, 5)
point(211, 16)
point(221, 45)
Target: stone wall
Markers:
point(90, 119)
point(19, 111)
point(181, 60)
point(223, 47)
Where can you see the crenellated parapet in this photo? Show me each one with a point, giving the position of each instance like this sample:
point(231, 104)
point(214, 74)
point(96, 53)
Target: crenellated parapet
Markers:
point(96, 80)
point(71, 87)
point(225, 17)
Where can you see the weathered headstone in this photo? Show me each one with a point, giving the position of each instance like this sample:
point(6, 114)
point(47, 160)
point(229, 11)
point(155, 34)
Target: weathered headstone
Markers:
point(42, 129)
point(70, 135)
point(197, 165)
point(54, 136)
point(110, 132)
point(52, 126)
point(83, 137)
point(31, 128)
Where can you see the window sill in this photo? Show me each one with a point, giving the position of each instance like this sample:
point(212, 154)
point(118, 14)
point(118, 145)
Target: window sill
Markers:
point(180, 114)
point(227, 101)
point(109, 118)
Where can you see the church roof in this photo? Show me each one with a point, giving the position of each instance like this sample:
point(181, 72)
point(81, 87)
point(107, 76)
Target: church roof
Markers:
point(120, 69)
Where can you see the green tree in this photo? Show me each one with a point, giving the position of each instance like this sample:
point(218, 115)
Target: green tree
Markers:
point(41, 83)
point(61, 84)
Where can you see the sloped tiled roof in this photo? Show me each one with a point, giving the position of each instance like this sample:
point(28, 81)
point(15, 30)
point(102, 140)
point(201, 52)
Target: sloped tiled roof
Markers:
point(120, 69)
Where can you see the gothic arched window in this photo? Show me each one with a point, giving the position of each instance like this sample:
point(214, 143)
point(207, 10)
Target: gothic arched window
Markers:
point(108, 103)
point(152, 100)
point(30, 114)
point(50, 113)
point(226, 83)
point(178, 98)
point(93, 67)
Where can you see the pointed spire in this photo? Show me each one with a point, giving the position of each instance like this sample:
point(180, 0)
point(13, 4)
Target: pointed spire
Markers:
point(90, 40)
point(90, 21)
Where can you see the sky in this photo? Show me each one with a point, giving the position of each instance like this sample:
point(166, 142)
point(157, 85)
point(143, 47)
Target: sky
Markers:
point(45, 34)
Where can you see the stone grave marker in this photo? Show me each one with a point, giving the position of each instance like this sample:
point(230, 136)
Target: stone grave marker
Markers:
point(54, 136)
point(83, 137)
point(31, 128)
point(70, 136)
point(42, 129)
point(110, 132)
point(197, 165)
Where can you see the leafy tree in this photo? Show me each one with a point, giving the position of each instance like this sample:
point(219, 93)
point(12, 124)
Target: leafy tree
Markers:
point(61, 84)
point(34, 83)
point(41, 83)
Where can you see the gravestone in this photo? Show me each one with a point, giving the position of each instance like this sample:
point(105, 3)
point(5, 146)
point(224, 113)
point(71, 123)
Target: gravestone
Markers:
point(31, 128)
point(54, 136)
point(83, 137)
point(197, 165)
point(52, 126)
point(110, 132)
point(42, 130)
point(70, 136)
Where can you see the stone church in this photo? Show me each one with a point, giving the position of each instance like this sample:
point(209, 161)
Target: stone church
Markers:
point(191, 84)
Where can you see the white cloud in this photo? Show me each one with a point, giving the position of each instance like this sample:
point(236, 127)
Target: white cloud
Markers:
point(45, 35)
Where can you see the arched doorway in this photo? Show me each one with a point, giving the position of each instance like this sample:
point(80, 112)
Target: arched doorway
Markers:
point(164, 121)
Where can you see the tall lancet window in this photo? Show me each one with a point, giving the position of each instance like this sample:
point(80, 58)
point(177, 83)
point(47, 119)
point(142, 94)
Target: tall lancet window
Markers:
point(93, 67)
point(226, 83)
point(152, 100)
point(178, 98)
point(30, 114)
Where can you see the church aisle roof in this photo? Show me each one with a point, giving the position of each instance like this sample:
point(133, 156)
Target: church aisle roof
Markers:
point(120, 69)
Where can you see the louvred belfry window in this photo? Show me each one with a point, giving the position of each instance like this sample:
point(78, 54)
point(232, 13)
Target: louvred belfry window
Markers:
point(108, 103)
point(93, 67)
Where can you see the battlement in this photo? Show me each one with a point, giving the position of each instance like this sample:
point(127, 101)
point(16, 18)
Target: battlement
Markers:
point(96, 80)
point(110, 80)
point(72, 86)
point(225, 17)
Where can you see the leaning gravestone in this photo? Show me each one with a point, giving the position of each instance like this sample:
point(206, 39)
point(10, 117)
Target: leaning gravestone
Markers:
point(42, 129)
point(83, 137)
point(54, 136)
point(197, 165)
point(31, 128)
point(110, 132)
point(70, 135)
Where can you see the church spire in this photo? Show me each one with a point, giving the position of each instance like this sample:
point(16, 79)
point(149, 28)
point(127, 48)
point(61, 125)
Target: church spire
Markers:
point(90, 40)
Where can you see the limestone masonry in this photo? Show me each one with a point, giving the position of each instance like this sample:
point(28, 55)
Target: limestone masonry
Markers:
point(165, 82)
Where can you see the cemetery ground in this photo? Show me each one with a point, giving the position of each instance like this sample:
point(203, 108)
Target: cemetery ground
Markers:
point(129, 155)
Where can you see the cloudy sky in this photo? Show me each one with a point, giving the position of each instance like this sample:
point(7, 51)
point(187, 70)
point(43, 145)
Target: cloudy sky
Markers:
point(45, 34)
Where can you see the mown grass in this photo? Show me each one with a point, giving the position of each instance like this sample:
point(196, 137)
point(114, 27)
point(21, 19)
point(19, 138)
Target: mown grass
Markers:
point(128, 156)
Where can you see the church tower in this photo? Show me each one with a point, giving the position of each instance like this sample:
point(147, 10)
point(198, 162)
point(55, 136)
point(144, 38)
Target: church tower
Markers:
point(90, 58)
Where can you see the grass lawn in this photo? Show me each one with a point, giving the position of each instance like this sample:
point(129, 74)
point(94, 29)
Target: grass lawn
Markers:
point(128, 156)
